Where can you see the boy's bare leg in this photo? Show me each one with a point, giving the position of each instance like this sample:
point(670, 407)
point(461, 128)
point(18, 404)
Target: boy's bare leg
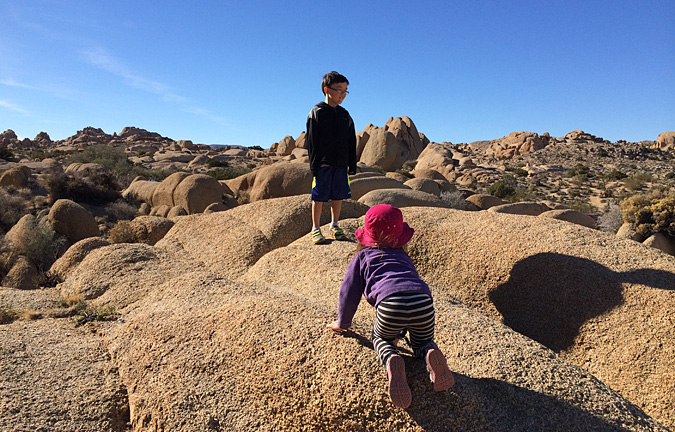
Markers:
point(335, 207)
point(317, 206)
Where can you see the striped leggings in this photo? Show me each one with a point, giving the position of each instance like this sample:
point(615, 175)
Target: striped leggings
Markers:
point(413, 312)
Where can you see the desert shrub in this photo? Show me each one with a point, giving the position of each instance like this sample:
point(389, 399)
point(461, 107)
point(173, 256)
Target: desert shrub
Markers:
point(637, 181)
point(524, 195)
point(582, 206)
point(503, 188)
point(123, 232)
point(7, 315)
point(215, 163)
point(6, 153)
point(518, 171)
point(670, 175)
point(106, 313)
point(611, 220)
point(95, 188)
point(650, 214)
point(409, 165)
point(110, 157)
point(13, 206)
point(603, 153)
point(405, 173)
point(579, 169)
point(121, 210)
point(227, 173)
point(574, 192)
point(456, 200)
point(38, 243)
point(41, 154)
point(580, 180)
point(29, 315)
point(615, 174)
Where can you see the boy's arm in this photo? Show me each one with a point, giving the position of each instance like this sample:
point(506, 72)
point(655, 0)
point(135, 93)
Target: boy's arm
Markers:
point(351, 291)
point(352, 147)
point(312, 141)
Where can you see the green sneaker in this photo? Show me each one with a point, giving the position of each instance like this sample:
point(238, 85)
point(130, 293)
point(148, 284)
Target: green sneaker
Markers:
point(317, 236)
point(337, 232)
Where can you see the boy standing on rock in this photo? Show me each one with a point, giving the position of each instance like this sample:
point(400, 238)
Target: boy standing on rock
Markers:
point(331, 143)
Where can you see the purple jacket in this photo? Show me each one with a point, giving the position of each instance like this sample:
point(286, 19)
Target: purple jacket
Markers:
point(376, 273)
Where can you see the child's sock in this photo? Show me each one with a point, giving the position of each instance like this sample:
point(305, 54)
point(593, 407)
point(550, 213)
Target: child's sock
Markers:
point(333, 224)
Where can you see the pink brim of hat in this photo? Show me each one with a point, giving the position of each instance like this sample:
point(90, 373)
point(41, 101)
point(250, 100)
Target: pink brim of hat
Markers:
point(365, 238)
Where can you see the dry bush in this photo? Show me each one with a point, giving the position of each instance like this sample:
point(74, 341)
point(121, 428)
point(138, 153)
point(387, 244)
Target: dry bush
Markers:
point(29, 315)
point(504, 188)
point(637, 181)
point(121, 210)
point(38, 242)
point(95, 188)
point(14, 204)
point(650, 214)
point(123, 232)
point(456, 200)
point(105, 313)
point(7, 315)
point(611, 220)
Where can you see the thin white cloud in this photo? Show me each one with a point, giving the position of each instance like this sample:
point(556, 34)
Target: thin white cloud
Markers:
point(108, 63)
point(12, 107)
point(11, 83)
point(103, 60)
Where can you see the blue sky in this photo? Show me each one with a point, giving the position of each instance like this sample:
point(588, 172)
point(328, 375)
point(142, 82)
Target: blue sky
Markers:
point(248, 72)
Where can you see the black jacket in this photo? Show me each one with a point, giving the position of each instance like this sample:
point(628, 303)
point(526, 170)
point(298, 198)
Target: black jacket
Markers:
point(330, 138)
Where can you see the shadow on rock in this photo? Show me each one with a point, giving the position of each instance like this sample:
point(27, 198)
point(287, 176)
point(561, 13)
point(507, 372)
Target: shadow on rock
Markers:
point(511, 408)
point(549, 296)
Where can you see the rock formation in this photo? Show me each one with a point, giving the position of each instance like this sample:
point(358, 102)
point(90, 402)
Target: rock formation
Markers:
point(666, 141)
point(189, 351)
point(391, 146)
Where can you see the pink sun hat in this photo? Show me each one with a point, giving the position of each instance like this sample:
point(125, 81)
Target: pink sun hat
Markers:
point(384, 226)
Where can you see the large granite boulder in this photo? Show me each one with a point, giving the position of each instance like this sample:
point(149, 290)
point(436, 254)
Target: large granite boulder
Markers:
point(150, 229)
point(63, 266)
point(520, 208)
point(280, 179)
point(196, 192)
point(141, 190)
point(666, 141)
point(484, 201)
point(438, 158)
point(391, 146)
point(16, 177)
point(402, 198)
point(23, 275)
point(362, 185)
point(163, 192)
point(73, 221)
point(425, 185)
point(570, 216)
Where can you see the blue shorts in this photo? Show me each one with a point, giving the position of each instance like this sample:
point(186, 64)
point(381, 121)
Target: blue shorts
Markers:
point(331, 183)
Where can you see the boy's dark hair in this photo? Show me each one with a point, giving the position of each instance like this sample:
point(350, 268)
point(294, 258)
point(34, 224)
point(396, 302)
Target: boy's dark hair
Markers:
point(332, 78)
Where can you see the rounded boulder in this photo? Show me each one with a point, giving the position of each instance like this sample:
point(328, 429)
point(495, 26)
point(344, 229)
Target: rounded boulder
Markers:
point(196, 192)
point(73, 221)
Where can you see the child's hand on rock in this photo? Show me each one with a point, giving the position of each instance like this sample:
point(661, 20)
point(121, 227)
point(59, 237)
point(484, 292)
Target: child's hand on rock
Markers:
point(334, 326)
